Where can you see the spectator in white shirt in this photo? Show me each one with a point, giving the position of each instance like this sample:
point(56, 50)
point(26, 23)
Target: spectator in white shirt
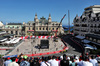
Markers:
point(49, 59)
point(45, 63)
point(54, 62)
point(86, 62)
point(93, 61)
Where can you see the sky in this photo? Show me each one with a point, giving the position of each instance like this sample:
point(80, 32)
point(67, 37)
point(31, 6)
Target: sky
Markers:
point(19, 11)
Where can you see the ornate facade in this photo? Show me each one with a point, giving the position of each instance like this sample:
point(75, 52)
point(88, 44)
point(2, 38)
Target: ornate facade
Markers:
point(13, 28)
point(42, 26)
point(88, 24)
point(37, 27)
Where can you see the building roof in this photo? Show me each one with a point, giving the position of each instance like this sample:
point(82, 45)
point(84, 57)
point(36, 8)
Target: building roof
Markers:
point(43, 20)
point(14, 24)
point(93, 6)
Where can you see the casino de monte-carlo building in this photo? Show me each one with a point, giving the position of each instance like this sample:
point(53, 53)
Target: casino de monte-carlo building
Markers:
point(88, 24)
point(42, 27)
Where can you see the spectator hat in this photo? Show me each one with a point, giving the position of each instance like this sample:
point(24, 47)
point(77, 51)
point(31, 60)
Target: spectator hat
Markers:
point(76, 58)
point(8, 58)
point(68, 58)
point(61, 57)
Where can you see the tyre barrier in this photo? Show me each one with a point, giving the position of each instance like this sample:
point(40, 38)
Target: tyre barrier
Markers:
point(47, 53)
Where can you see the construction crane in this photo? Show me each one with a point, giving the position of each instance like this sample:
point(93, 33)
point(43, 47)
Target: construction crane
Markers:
point(55, 37)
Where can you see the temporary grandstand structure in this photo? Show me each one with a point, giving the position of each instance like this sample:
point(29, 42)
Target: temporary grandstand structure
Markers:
point(2, 32)
point(16, 41)
point(3, 40)
point(9, 42)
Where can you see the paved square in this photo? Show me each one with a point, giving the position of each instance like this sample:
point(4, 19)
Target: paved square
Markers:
point(29, 47)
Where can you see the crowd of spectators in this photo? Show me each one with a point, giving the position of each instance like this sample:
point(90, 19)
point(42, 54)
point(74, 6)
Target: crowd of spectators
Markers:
point(88, 60)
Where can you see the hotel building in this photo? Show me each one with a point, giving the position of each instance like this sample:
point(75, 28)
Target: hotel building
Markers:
point(88, 24)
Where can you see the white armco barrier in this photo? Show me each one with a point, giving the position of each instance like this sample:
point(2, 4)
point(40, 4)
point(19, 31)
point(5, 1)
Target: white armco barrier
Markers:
point(40, 37)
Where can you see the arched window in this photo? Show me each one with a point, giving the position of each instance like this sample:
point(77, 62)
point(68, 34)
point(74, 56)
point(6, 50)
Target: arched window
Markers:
point(29, 28)
point(40, 28)
point(53, 24)
point(11, 32)
point(16, 32)
point(43, 28)
point(46, 28)
point(52, 28)
point(6, 31)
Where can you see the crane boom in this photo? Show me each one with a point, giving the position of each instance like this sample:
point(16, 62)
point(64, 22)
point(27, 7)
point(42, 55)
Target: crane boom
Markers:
point(59, 25)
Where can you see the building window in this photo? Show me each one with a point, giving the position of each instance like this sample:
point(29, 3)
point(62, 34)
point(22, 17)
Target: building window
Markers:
point(13, 27)
point(16, 33)
point(17, 27)
point(6, 31)
point(33, 28)
point(49, 28)
point(29, 23)
point(36, 28)
point(46, 28)
point(53, 24)
point(43, 28)
point(29, 28)
point(52, 28)
point(11, 32)
point(33, 23)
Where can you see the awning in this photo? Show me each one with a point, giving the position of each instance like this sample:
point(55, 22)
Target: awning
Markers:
point(80, 37)
point(86, 41)
point(90, 47)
